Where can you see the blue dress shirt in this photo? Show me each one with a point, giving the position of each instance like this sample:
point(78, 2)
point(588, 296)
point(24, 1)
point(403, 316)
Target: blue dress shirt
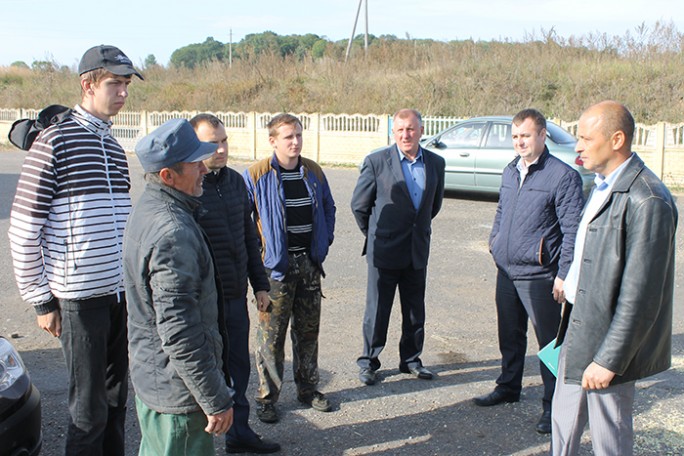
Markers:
point(414, 175)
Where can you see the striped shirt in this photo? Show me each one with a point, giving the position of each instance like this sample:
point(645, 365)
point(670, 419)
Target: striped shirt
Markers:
point(298, 210)
point(69, 213)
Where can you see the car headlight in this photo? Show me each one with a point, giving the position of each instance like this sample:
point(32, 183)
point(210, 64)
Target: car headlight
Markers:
point(11, 366)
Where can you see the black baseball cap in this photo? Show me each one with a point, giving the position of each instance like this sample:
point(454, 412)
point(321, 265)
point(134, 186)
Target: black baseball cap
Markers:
point(108, 57)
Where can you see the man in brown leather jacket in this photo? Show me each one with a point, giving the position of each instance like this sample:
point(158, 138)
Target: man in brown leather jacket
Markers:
point(620, 284)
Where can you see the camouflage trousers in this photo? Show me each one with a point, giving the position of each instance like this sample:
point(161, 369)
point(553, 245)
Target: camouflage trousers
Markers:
point(298, 299)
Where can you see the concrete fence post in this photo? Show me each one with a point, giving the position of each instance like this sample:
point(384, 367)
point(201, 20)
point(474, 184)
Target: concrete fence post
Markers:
point(659, 155)
point(252, 126)
point(385, 128)
point(143, 123)
point(316, 130)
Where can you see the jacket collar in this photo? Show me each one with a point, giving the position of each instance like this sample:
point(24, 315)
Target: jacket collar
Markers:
point(186, 202)
point(92, 123)
point(276, 166)
point(538, 165)
point(212, 177)
point(623, 182)
point(393, 150)
point(629, 174)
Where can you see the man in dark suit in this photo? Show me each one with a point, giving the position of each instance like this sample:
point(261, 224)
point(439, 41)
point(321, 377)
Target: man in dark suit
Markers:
point(398, 193)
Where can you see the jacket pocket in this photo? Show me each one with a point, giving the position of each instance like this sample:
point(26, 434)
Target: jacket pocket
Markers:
point(540, 253)
point(384, 234)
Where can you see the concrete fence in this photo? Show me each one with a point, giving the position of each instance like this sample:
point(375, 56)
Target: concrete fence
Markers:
point(347, 138)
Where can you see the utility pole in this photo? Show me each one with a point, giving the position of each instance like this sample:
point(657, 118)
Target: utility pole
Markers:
point(230, 48)
point(351, 38)
point(365, 37)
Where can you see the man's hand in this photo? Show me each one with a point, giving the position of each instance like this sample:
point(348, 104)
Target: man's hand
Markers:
point(558, 293)
point(219, 424)
point(51, 322)
point(262, 300)
point(596, 377)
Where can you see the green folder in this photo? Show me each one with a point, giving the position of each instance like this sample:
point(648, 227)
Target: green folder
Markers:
point(549, 356)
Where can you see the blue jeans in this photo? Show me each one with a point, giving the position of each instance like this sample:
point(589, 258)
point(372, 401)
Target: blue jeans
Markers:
point(94, 342)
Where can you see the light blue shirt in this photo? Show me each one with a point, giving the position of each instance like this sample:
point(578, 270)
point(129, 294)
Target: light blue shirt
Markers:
point(414, 175)
point(603, 189)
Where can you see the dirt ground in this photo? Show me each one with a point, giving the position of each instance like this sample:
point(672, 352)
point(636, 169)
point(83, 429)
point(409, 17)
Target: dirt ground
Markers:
point(400, 415)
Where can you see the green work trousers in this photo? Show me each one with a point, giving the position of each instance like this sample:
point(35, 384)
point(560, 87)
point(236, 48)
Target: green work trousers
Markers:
point(165, 434)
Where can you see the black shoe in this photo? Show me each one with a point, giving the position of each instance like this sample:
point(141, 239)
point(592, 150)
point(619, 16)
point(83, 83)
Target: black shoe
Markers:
point(368, 376)
point(544, 424)
point(316, 401)
point(496, 397)
point(267, 412)
point(418, 371)
point(256, 445)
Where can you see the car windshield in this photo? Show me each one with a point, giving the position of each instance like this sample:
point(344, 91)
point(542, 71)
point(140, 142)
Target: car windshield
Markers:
point(559, 135)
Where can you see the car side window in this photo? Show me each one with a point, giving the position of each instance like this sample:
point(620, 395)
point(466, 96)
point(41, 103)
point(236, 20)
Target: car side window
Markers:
point(499, 136)
point(465, 135)
point(559, 135)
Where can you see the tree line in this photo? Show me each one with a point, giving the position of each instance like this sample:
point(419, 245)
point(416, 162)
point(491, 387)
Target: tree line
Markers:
point(256, 44)
point(308, 73)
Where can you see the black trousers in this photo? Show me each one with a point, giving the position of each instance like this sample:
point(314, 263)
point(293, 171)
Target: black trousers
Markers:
point(94, 342)
point(237, 326)
point(516, 301)
point(382, 286)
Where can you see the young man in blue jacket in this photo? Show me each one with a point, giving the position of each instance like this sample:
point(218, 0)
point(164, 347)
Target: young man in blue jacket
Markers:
point(294, 214)
point(532, 243)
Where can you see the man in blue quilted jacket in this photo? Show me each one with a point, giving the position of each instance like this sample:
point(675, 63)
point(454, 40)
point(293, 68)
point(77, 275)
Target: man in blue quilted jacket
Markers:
point(532, 243)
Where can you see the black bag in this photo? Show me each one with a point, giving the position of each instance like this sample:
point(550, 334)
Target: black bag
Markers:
point(24, 131)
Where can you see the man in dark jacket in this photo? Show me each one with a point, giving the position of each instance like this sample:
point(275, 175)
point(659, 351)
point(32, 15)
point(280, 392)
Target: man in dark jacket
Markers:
point(398, 193)
point(175, 317)
point(532, 242)
point(617, 325)
point(228, 224)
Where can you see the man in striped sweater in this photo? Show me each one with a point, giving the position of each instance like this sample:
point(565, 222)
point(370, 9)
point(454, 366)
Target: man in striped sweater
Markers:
point(66, 232)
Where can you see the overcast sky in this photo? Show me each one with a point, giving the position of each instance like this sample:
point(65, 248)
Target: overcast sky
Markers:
point(61, 30)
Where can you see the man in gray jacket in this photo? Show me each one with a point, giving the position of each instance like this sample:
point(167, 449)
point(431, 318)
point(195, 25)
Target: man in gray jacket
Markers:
point(175, 320)
point(617, 323)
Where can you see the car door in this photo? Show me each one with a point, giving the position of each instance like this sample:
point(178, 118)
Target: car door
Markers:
point(496, 152)
point(459, 147)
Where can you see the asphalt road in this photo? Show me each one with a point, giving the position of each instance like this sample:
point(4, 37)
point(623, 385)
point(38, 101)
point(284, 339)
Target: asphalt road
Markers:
point(400, 415)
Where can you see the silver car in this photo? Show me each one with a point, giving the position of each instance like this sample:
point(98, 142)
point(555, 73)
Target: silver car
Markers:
point(478, 149)
point(20, 413)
